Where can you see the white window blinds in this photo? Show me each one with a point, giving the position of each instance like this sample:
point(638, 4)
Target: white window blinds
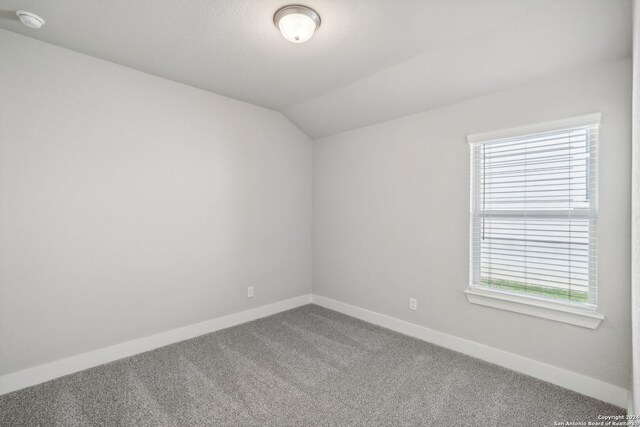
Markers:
point(533, 211)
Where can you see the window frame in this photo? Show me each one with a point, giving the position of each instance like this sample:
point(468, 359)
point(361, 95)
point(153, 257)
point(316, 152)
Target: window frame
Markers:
point(580, 314)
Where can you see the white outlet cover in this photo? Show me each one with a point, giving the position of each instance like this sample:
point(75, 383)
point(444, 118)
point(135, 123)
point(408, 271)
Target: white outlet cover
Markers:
point(413, 304)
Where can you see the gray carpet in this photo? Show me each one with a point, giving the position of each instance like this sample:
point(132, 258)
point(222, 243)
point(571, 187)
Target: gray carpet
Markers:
point(304, 367)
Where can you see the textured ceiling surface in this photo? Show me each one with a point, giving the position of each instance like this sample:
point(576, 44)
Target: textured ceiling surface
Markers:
point(371, 60)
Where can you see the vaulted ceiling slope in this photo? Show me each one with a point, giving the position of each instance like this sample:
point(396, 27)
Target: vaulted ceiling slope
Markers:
point(370, 61)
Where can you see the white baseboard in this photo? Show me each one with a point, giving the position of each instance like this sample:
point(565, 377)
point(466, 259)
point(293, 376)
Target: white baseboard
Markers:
point(573, 381)
point(570, 380)
point(39, 374)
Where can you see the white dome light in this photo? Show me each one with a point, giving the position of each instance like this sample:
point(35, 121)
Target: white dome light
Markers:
point(297, 23)
point(29, 19)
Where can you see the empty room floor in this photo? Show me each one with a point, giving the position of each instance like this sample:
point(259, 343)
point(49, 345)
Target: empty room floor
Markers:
point(307, 366)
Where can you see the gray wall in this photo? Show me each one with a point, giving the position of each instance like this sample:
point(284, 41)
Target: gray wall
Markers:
point(130, 205)
point(391, 220)
point(635, 278)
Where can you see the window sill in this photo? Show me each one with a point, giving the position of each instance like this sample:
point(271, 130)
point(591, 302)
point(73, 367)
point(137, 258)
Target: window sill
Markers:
point(544, 309)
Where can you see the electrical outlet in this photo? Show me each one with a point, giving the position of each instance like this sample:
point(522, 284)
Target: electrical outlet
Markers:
point(250, 291)
point(413, 304)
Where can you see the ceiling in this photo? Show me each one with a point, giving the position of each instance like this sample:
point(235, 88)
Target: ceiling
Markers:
point(371, 60)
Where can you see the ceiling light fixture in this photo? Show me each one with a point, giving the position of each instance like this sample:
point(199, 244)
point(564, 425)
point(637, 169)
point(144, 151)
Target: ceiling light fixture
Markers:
point(29, 19)
point(297, 23)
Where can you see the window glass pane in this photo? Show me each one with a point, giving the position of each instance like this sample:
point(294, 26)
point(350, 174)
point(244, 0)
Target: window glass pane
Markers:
point(533, 219)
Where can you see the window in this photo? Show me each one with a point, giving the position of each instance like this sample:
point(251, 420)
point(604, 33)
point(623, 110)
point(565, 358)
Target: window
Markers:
point(533, 212)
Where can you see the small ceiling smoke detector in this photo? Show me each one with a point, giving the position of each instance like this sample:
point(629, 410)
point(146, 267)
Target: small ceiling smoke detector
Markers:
point(29, 19)
point(297, 23)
